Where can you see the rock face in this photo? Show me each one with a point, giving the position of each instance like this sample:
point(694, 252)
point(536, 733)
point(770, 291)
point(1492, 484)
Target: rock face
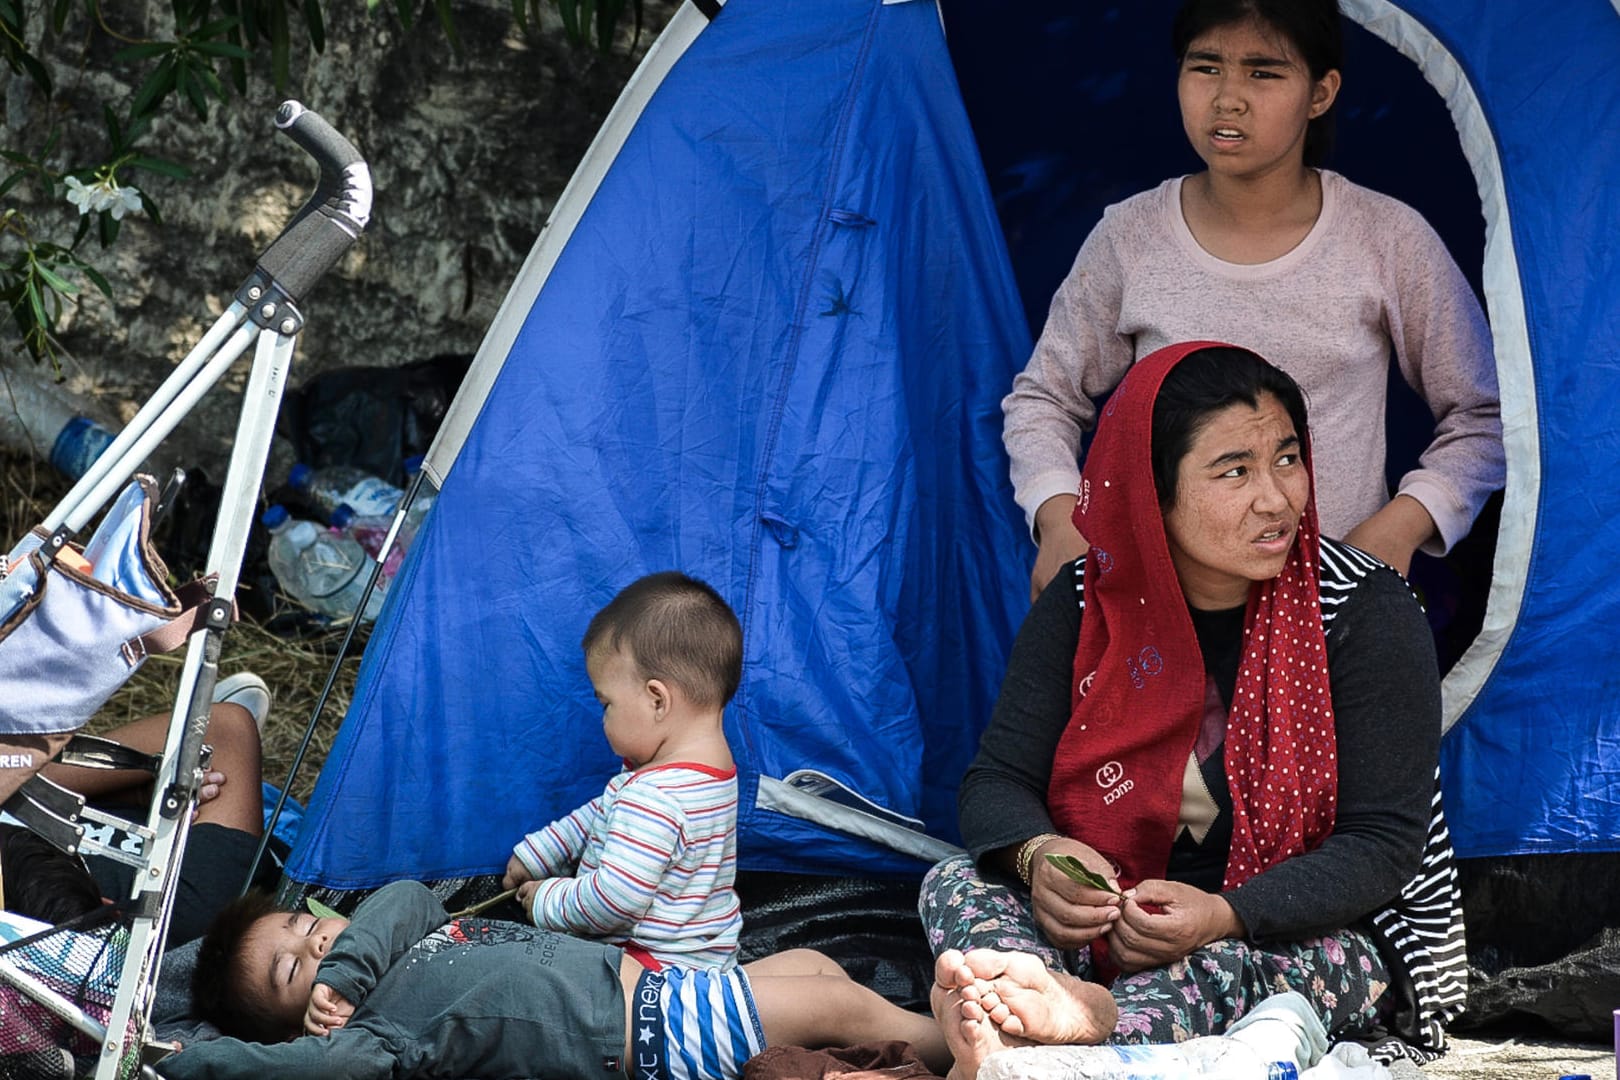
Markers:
point(468, 154)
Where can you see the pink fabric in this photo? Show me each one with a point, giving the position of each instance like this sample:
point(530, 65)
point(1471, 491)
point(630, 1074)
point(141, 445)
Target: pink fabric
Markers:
point(1371, 278)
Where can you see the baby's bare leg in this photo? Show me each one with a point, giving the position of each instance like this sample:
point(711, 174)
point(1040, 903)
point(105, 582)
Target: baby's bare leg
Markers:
point(794, 962)
point(824, 1010)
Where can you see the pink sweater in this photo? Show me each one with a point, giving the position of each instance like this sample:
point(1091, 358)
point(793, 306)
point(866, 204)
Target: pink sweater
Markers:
point(1370, 276)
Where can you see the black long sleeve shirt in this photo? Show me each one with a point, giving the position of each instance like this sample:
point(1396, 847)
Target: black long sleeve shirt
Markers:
point(1386, 703)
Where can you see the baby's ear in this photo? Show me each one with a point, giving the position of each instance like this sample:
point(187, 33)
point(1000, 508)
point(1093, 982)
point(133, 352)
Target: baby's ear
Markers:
point(662, 695)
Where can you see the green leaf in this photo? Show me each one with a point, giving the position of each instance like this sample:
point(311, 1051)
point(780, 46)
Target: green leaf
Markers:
point(159, 166)
point(12, 181)
point(217, 28)
point(143, 50)
point(95, 277)
point(55, 280)
point(1076, 870)
point(279, 51)
point(607, 21)
point(32, 292)
point(205, 75)
point(448, 22)
point(59, 14)
point(320, 910)
point(115, 133)
point(36, 71)
point(221, 48)
point(570, 17)
point(316, 23)
point(108, 227)
point(195, 90)
point(406, 11)
point(155, 88)
point(151, 209)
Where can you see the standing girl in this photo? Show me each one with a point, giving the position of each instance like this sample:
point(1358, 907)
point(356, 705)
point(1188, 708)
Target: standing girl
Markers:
point(1267, 250)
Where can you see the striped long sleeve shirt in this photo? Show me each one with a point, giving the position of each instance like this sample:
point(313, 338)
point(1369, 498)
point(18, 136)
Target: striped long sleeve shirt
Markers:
point(648, 865)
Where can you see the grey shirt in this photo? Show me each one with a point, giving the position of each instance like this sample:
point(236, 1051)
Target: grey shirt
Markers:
point(1386, 703)
point(1371, 278)
point(439, 997)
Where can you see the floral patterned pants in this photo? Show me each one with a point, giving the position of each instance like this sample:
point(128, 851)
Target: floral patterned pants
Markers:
point(1341, 974)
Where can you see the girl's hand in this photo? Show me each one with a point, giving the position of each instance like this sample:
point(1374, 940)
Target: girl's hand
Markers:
point(1186, 918)
point(1060, 542)
point(516, 874)
point(327, 1010)
point(1394, 533)
point(1069, 913)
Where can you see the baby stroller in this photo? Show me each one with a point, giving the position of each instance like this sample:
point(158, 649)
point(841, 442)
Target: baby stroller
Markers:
point(76, 621)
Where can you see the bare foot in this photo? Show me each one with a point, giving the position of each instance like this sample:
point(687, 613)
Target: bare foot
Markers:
point(1032, 1003)
point(969, 1039)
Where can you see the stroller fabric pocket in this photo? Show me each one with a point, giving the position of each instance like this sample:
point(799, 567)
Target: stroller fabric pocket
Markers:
point(88, 619)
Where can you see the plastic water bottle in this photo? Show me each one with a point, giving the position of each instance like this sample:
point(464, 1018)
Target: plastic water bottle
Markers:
point(41, 416)
point(369, 533)
point(334, 485)
point(1214, 1057)
point(322, 570)
point(1277, 1040)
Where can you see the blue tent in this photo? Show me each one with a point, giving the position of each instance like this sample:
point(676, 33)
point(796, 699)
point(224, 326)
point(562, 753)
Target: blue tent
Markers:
point(763, 339)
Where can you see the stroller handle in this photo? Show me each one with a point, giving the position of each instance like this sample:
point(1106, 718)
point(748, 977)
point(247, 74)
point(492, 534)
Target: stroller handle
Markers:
point(335, 215)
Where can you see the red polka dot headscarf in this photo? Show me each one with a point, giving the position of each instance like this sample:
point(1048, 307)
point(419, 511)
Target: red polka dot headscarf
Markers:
point(1139, 681)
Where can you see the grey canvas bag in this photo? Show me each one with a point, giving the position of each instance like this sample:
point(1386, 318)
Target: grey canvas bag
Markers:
point(89, 620)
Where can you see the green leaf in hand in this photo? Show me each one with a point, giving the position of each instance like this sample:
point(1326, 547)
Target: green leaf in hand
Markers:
point(320, 910)
point(1076, 869)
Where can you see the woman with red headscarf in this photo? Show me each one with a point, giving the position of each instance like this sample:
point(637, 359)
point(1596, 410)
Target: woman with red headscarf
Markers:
point(1231, 721)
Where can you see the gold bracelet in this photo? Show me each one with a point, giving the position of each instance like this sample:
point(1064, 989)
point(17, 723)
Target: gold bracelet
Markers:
point(1026, 855)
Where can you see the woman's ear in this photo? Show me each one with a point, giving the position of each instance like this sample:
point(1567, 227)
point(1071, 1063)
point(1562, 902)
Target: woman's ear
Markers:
point(1324, 93)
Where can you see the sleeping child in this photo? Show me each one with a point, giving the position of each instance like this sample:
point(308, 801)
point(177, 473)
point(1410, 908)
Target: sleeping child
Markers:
point(405, 991)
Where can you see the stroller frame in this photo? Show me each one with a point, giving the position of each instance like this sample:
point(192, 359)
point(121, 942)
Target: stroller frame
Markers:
point(264, 313)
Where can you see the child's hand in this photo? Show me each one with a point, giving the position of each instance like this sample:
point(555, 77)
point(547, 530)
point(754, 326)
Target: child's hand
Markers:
point(208, 791)
point(516, 874)
point(525, 894)
point(327, 1010)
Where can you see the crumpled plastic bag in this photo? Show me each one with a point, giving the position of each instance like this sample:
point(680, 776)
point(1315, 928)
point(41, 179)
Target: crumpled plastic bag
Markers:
point(1346, 1061)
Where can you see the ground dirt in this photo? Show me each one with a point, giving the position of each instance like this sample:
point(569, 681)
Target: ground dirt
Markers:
point(1508, 1057)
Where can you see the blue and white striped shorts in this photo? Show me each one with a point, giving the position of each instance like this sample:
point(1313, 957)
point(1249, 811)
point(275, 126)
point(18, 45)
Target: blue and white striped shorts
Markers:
point(693, 1025)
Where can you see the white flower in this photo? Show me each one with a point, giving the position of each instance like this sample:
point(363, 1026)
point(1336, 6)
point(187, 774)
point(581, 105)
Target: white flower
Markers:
point(104, 194)
point(126, 200)
point(78, 194)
